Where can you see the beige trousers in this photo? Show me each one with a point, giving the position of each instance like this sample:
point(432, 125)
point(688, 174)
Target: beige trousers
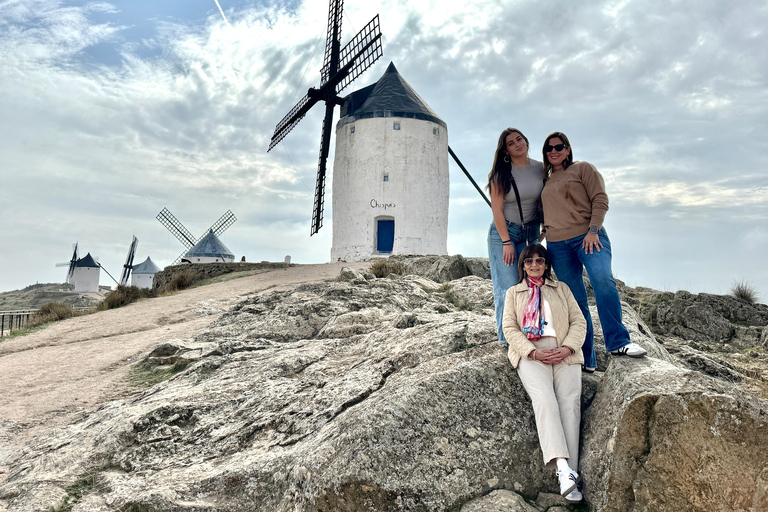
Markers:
point(556, 395)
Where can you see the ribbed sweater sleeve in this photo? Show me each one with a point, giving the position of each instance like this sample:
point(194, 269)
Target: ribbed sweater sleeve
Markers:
point(573, 200)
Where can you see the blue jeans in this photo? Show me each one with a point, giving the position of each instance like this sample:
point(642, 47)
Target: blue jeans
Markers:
point(568, 262)
point(505, 276)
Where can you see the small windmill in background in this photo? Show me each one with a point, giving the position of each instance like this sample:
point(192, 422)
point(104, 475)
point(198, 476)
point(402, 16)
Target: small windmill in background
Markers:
point(178, 230)
point(71, 264)
point(340, 67)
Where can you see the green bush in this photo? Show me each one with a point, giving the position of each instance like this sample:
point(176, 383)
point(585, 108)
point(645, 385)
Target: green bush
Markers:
point(744, 291)
point(124, 295)
point(382, 268)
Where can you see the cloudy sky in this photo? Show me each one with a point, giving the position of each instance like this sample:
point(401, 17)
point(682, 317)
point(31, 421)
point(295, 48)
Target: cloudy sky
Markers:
point(111, 111)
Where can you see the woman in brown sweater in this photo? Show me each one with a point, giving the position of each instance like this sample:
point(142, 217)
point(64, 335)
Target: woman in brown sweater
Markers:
point(575, 204)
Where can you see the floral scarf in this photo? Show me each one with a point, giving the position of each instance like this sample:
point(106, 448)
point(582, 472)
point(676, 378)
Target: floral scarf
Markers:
point(533, 316)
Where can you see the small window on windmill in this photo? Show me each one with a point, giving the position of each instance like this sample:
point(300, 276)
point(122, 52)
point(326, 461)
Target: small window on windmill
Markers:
point(434, 131)
point(352, 129)
point(386, 177)
point(396, 126)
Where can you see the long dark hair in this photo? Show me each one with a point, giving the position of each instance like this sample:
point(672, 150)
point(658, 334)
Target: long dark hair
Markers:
point(568, 160)
point(501, 172)
point(529, 252)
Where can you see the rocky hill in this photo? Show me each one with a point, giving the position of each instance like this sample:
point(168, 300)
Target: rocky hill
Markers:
point(34, 296)
point(389, 394)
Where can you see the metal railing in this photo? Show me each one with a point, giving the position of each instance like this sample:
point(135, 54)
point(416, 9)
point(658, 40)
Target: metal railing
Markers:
point(18, 319)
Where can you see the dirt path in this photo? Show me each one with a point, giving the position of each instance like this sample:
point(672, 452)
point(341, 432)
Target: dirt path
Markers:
point(50, 377)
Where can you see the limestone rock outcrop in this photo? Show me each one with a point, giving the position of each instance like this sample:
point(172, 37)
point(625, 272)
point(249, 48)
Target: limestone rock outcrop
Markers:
point(711, 319)
point(366, 394)
point(443, 269)
point(663, 438)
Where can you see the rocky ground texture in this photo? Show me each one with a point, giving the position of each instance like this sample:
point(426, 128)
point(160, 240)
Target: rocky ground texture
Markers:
point(389, 394)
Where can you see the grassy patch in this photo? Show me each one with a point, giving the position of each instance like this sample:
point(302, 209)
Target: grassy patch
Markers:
point(75, 492)
point(23, 332)
point(145, 374)
point(47, 314)
point(382, 268)
point(744, 291)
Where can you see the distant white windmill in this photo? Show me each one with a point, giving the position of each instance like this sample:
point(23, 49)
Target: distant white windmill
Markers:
point(85, 276)
point(144, 273)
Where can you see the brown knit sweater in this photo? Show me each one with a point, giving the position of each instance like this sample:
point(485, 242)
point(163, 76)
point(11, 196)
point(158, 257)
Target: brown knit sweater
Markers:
point(573, 200)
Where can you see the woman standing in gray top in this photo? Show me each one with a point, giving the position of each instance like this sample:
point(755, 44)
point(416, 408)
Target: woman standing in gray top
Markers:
point(515, 184)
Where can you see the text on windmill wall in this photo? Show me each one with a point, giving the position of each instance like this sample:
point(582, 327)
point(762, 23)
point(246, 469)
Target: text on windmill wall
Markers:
point(376, 204)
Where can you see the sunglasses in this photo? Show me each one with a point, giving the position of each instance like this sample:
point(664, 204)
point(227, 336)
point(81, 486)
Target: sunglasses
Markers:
point(531, 261)
point(556, 147)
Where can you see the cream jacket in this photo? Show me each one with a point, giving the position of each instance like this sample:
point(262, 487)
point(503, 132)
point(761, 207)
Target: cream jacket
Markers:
point(569, 323)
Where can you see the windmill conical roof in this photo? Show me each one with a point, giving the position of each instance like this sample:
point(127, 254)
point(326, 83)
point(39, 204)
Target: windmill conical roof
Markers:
point(391, 96)
point(209, 247)
point(146, 267)
point(86, 261)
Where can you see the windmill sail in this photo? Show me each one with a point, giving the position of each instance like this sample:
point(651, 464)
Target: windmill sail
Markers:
point(128, 266)
point(176, 228)
point(340, 68)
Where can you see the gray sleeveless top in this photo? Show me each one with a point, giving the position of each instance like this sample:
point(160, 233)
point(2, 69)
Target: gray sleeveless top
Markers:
point(529, 184)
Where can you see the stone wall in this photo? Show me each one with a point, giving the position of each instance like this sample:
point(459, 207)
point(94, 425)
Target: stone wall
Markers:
point(209, 270)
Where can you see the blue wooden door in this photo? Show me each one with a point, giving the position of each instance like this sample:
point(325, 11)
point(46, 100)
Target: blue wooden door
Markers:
point(385, 235)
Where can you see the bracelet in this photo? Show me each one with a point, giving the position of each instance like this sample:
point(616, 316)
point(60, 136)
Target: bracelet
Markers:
point(508, 242)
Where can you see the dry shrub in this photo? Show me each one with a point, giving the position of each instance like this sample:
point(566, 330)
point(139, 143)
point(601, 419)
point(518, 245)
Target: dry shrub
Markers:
point(744, 291)
point(180, 281)
point(382, 268)
point(51, 312)
point(124, 295)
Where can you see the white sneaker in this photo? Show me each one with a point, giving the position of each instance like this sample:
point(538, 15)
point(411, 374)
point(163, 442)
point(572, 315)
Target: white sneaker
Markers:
point(568, 481)
point(631, 350)
point(574, 496)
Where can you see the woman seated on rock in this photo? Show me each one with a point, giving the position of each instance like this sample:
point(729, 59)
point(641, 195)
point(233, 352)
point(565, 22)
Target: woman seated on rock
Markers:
point(545, 329)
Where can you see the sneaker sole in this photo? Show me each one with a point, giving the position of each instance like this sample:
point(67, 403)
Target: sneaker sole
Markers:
point(574, 501)
point(575, 485)
point(569, 490)
point(629, 355)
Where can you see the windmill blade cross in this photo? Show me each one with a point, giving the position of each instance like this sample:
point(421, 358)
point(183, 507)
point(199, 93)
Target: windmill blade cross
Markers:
point(340, 68)
point(222, 224)
point(176, 228)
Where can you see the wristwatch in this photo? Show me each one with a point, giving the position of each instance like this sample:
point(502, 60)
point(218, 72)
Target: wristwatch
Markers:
point(593, 229)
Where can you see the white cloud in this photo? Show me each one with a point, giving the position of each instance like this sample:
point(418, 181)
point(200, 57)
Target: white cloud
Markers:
point(669, 101)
